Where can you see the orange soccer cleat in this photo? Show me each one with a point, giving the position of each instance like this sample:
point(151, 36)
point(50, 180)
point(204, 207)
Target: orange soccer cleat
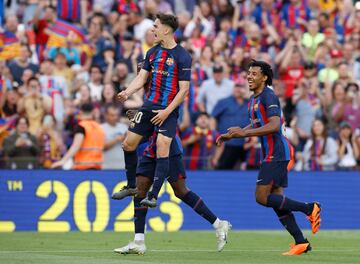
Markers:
point(314, 218)
point(297, 249)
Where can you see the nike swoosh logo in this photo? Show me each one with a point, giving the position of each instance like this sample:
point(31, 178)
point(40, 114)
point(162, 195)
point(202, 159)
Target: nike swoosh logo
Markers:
point(162, 130)
point(258, 180)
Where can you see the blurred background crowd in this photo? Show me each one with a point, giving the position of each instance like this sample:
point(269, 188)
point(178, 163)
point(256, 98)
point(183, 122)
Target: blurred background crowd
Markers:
point(56, 56)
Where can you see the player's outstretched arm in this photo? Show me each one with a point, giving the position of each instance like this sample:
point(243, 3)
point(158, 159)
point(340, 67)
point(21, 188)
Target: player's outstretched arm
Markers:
point(269, 128)
point(134, 86)
point(233, 132)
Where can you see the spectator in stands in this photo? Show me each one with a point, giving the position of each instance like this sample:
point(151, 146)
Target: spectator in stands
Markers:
point(114, 136)
point(55, 87)
point(198, 29)
point(109, 98)
point(148, 42)
point(19, 65)
point(11, 23)
point(237, 65)
point(8, 102)
point(21, 148)
point(206, 61)
point(50, 141)
point(312, 38)
point(320, 151)
point(330, 72)
point(131, 53)
point(290, 66)
point(120, 76)
point(83, 96)
point(97, 40)
point(184, 18)
point(44, 17)
point(333, 94)
point(88, 145)
point(199, 143)
point(307, 106)
point(96, 82)
point(34, 105)
point(213, 90)
point(61, 68)
point(348, 150)
point(70, 51)
point(229, 112)
point(345, 73)
point(140, 23)
point(349, 109)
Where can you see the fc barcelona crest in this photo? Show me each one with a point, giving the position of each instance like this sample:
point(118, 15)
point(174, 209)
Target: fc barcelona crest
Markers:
point(256, 107)
point(170, 61)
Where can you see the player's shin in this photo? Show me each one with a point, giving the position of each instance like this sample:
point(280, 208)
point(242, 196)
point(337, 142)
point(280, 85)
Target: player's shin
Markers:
point(139, 219)
point(287, 219)
point(280, 202)
point(130, 166)
point(161, 172)
point(198, 205)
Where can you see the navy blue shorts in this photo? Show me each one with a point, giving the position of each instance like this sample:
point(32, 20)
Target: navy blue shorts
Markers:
point(141, 124)
point(274, 173)
point(146, 168)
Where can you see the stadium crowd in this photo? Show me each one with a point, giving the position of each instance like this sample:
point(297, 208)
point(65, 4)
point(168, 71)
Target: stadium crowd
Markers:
point(57, 56)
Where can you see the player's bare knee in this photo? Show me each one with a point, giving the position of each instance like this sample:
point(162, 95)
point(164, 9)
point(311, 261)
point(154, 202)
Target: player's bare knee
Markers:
point(261, 198)
point(162, 147)
point(141, 190)
point(140, 193)
point(127, 146)
point(180, 192)
point(131, 141)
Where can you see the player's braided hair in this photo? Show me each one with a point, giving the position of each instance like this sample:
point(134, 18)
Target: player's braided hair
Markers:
point(265, 69)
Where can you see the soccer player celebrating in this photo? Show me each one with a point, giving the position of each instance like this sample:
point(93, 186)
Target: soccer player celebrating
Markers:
point(145, 177)
point(169, 67)
point(268, 124)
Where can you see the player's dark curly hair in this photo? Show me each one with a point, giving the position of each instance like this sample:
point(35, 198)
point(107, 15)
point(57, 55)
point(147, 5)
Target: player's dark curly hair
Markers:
point(265, 69)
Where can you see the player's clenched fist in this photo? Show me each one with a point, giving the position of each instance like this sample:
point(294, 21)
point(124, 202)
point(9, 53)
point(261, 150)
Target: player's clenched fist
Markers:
point(122, 96)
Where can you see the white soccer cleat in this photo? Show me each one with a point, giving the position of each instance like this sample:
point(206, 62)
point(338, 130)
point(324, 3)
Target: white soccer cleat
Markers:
point(133, 247)
point(222, 233)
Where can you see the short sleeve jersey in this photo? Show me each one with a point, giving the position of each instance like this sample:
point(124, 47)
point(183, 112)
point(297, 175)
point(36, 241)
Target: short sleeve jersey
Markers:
point(275, 147)
point(166, 67)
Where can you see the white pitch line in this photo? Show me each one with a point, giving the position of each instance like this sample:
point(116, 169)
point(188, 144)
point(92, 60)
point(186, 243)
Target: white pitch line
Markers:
point(173, 250)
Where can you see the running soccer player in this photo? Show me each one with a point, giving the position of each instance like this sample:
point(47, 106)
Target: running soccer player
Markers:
point(145, 176)
point(268, 124)
point(169, 67)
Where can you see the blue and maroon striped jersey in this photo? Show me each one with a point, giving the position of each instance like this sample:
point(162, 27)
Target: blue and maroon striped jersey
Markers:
point(175, 147)
point(69, 10)
point(167, 67)
point(291, 14)
point(197, 155)
point(275, 147)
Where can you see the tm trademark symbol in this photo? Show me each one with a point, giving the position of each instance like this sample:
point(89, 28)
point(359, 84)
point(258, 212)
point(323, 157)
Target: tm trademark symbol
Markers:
point(14, 186)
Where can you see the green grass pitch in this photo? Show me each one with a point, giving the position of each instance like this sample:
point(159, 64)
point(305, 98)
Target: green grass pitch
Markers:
point(263, 247)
